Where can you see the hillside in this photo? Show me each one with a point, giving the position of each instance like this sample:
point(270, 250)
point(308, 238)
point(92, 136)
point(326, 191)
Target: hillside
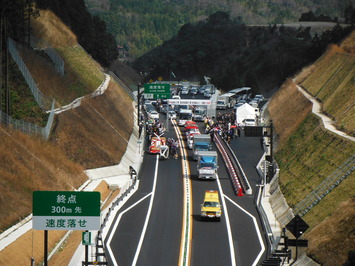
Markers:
point(92, 135)
point(307, 153)
point(234, 55)
point(140, 25)
point(95, 134)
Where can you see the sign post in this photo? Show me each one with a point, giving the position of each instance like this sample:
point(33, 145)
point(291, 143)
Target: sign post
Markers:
point(65, 210)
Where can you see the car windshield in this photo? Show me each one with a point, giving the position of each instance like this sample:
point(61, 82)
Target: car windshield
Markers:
point(211, 204)
point(208, 165)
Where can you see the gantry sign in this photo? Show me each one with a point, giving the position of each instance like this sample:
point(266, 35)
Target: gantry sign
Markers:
point(156, 91)
point(66, 210)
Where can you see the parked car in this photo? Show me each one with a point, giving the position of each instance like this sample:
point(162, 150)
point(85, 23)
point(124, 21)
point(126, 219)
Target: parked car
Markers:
point(201, 90)
point(207, 93)
point(149, 108)
point(172, 114)
point(259, 98)
point(153, 115)
point(185, 91)
point(193, 90)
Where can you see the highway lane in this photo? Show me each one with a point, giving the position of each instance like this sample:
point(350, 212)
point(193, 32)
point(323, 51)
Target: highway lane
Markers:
point(210, 239)
point(211, 242)
point(159, 244)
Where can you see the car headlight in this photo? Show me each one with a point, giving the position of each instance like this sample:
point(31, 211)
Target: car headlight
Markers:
point(203, 213)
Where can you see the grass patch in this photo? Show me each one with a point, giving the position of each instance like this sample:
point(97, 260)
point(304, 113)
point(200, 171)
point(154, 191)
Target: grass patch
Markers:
point(87, 71)
point(331, 80)
point(308, 157)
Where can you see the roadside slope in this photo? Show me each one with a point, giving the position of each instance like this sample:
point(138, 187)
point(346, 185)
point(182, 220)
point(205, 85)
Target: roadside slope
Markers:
point(95, 134)
point(308, 153)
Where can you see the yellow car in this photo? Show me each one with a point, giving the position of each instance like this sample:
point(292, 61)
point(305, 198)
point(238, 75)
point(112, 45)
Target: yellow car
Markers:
point(211, 208)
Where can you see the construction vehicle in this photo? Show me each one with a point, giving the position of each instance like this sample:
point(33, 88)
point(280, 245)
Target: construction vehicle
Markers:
point(211, 208)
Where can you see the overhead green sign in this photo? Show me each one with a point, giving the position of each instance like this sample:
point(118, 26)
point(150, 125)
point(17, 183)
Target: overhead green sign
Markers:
point(66, 210)
point(156, 91)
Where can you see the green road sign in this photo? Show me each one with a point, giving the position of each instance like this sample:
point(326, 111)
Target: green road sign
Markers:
point(156, 91)
point(86, 238)
point(66, 210)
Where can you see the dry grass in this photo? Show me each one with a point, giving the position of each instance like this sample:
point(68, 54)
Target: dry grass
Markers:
point(304, 74)
point(334, 235)
point(50, 28)
point(308, 153)
point(31, 244)
point(29, 164)
point(96, 134)
point(334, 72)
point(348, 45)
point(93, 135)
point(101, 131)
point(288, 108)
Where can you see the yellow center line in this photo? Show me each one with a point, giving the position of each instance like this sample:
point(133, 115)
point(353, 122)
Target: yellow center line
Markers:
point(187, 221)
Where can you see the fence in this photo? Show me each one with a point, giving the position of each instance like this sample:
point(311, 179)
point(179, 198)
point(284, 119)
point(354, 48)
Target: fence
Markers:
point(43, 101)
point(53, 55)
point(325, 187)
point(26, 127)
point(124, 86)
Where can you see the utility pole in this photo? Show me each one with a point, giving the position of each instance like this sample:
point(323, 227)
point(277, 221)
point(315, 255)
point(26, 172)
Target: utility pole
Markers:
point(140, 126)
point(1, 49)
point(7, 90)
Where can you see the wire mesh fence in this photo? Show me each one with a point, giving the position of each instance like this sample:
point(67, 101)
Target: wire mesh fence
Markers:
point(43, 101)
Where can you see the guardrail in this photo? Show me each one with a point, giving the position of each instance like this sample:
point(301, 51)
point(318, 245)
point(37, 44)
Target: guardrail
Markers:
point(239, 180)
point(100, 255)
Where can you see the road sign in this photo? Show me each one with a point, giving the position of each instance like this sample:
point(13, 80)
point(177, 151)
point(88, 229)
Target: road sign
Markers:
point(156, 91)
point(66, 210)
point(298, 242)
point(297, 226)
point(253, 131)
point(86, 238)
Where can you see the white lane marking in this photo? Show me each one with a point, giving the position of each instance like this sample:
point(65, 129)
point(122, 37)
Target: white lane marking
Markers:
point(115, 227)
point(145, 223)
point(257, 229)
point(148, 213)
point(229, 231)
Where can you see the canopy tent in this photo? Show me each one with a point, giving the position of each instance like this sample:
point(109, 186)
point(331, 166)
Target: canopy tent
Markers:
point(245, 111)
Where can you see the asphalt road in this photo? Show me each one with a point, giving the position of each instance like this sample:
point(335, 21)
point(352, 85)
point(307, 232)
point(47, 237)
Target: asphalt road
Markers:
point(147, 229)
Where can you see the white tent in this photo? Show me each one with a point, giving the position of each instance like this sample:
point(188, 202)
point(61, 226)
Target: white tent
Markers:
point(245, 111)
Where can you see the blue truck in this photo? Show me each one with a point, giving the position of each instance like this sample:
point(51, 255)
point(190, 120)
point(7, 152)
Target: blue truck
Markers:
point(207, 164)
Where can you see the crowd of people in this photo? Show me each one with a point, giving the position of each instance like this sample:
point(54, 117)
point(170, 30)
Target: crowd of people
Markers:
point(225, 126)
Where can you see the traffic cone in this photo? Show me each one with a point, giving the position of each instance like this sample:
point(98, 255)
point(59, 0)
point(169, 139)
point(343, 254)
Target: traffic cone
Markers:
point(240, 192)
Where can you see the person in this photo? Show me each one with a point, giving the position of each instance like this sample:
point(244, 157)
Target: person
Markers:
point(174, 148)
